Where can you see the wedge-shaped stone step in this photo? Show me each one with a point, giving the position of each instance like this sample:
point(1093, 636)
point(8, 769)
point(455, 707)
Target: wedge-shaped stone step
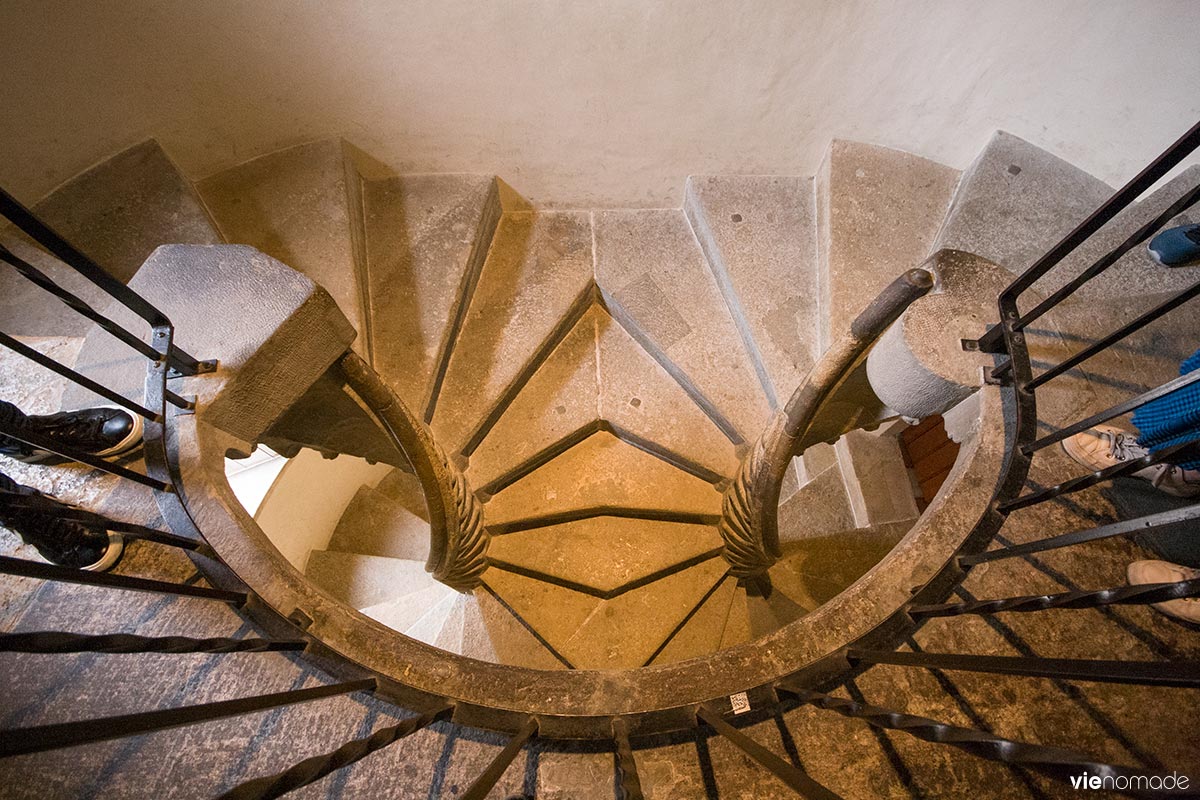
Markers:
point(598, 372)
point(1016, 201)
point(656, 278)
point(361, 581)
point(538, 270)
point(622, 633)
point(603, 554)
point(401, 613)
point(405, 488)
point(878, 213)
point(825, 565)
point(293, 205)
point(604, 472)
point(117, 213)
point(426, 240)
point(759, 234)
point(375, 525)
point(877, 482)
point(818, 507)
point(429, 627)
point(701, 634)
point(491, 633)
point(752, 614)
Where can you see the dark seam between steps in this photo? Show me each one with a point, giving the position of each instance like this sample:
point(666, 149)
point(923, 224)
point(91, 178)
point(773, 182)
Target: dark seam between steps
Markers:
point(609, 594)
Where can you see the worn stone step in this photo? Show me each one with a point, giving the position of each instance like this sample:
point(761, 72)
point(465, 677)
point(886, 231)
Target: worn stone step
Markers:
point(375, 525)
point(878, 484)
point(759, 235)
point(604, 553)
point(404, 488)
point(293, 205)
point(603, 471)
point(117, 212)
point(752, 615)
point(592, 633)
point(428, 627)
point(701, 634)
point(363, 580)
point(655, 276)
point(491, 633)
point(538, 268)
point(599, 373)
point(818, 507)
point(878, 213)
point(426, 238)
point(402, 612)
point(1016, 201)
point(814, 569)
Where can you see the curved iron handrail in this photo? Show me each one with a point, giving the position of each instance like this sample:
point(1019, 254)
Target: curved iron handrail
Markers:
point(458, 541)
point(750, 509)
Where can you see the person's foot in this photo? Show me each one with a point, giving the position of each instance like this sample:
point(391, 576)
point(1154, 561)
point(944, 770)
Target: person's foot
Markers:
point(1142, 572)
point(1176, 247)
point(102, 432)
point(1107, 446)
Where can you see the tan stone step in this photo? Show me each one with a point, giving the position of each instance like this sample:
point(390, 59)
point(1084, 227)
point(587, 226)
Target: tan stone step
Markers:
point(373, 524)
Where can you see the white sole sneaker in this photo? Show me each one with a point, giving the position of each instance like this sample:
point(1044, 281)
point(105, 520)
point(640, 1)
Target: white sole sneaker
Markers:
point(113, 553)
point(130, 442)
point(1186, 609)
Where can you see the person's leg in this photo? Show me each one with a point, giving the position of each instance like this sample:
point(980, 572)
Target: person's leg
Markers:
point(37, 519)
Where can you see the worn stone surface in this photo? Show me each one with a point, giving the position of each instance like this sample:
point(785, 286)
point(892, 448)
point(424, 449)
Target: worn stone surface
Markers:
point(1016, 201)
point(829, 563)
point(365, 580)
point(539, 264)
point(650, 265)
point(492, 633)
point(426, 238)
point(603, 471)
point(819, 506)
point(878, 212)
point(554, 612)
point(428, 627)
point(292, 205)
point(599, 372)
point(702, 633)
point(876, 480)
point(604, 553)
point(404, 611)
point(759, 234)
point(375, 525)
point(405, 488)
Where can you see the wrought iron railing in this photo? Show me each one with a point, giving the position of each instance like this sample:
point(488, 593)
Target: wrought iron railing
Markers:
point(1019, 386)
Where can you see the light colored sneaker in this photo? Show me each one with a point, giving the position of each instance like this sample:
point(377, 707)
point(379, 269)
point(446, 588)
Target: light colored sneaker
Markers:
point(1107, 446)
point(1142, 572)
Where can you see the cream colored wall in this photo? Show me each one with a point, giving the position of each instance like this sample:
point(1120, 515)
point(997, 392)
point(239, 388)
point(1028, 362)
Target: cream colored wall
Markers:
point(578, 103)
point(304, 504)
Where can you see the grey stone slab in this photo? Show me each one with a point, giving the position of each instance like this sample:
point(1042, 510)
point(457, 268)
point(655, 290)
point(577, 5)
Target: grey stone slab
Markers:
point(292, 205)
point(599, 372)
point(450, 637)
point(429, 626)
point(818, 507)
point(603, 471)
point(405, 488)
point(608, 639)
point(701, 634)
point(363, 580)
point(650, 266)
point(759, 234)
point(402, 612)
point(878, 213)
point(1016, 201)
point(116, 213)
point(876, 480)
point(604, 553)
point(426, 237)
point(539, 265)
point(375, 525)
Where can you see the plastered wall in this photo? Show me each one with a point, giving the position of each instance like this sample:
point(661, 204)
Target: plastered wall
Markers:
point(591, 103)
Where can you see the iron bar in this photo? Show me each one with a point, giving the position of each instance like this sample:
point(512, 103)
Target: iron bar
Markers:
point(41, 233)
point(53, 572)
point(1092, 478)
point(75, 377)
point(1056, 762)
point(1165, 162)
point(1108, 341)
point(66, 642)
point(486, 781)
point(1137, 237)
point(1178, 674)
point(76, 304)
point(1113, 412)
point(795, 778)
point(21, 741)
point(313, 769)
point(71, 454)
point(1143, 594)
point(1121, 528)
point(20, 502)
point(631, 784)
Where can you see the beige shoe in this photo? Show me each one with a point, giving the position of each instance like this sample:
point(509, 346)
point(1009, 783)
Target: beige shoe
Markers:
point(1107, 446)
point(1142, 572)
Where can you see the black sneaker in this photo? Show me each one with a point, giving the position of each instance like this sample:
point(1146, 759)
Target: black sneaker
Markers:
point(60, 541)
point(101, 432)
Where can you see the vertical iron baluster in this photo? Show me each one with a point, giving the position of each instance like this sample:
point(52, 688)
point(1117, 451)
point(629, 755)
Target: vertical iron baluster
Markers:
point(486, 781)
point(631, 785)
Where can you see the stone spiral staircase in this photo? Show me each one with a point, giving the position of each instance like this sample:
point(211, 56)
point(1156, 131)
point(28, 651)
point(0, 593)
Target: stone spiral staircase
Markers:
point(598, 377)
